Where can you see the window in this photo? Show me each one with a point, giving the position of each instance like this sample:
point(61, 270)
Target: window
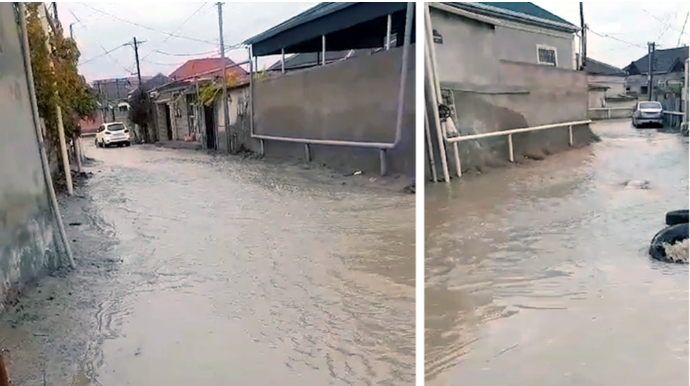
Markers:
point(546, 55)
point(643, 90)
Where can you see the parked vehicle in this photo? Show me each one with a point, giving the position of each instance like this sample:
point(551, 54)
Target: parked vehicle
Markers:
point(114, 133)
point(647, 113)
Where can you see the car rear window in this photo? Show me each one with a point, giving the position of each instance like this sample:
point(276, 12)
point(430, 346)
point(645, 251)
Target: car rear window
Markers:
point(116, 127)
point(650, 105)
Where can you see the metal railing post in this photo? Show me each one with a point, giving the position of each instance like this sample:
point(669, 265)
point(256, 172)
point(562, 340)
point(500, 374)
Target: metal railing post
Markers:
point(510, 148)
point(307, 153)
point(382, 159)
point(570, 135)
point(608, 113)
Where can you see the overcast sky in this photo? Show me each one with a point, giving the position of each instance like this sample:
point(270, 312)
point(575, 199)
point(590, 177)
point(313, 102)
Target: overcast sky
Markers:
point(629, 27)
point(101, 27)
point(105, 26)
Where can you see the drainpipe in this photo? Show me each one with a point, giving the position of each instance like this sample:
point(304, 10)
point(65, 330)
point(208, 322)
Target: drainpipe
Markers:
point(685, 99)
point(388, 33)
point(382, 146)
point(39, 135)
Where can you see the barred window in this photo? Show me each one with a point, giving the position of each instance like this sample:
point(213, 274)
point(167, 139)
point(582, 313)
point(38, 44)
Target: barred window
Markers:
point(546, 55)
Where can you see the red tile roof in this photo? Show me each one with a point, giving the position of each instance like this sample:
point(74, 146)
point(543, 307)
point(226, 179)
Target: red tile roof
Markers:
point(198, 66)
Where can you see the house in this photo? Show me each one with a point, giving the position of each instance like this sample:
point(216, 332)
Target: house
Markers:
point(668, 76)
point(355, 114)
point(179, 114)
point(496, 67)
point(600, 74)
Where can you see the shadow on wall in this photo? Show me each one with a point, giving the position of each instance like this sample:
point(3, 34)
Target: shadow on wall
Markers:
point(351, 100)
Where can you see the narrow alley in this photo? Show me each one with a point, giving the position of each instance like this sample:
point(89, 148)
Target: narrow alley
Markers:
point(540, 274)
point(196, 269)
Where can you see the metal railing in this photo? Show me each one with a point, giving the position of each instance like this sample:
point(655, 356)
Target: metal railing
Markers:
point(509, 133)
point(608, 110)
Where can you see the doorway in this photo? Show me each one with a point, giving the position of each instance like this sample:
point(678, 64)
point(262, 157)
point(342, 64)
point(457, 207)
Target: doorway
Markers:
point(168, 124)
point(209, 119)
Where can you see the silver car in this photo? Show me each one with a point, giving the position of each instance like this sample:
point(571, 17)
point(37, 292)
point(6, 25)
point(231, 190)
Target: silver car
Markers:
point(648, 113)
point(114, 133)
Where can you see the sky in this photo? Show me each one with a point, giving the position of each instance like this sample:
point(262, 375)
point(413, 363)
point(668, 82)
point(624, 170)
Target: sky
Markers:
point(628, 26)
point(100, 27)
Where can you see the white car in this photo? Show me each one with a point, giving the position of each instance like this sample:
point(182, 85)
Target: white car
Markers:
point(114, 133)
point(646, 113)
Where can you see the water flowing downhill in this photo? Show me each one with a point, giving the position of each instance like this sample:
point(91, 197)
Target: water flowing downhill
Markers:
point(539, 274)
point(237, 272)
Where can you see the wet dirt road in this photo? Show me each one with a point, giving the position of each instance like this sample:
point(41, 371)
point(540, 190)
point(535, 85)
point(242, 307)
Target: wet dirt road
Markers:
point(202, 270)
point(539, 274)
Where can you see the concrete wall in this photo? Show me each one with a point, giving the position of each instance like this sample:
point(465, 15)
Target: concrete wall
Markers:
point(471, 50)
point(27, 232)
point(528, 95)
point(616, 84)
point(351, 100)
point(597, 98)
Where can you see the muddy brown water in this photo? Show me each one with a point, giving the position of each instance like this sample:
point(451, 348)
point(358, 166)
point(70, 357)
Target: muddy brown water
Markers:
point(539, 274)
point(207, 270)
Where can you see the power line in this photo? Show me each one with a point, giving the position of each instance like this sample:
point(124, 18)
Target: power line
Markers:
point(658, 19)
point(681, 32)
point(615, 38)
point(147, 27)
point(107, 52)
point(161, 64)
point(178, 28)
point(197, 54)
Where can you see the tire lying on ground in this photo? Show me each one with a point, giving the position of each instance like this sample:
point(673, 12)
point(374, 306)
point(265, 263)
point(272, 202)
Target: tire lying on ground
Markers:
point(677, 217)
point(671, 244)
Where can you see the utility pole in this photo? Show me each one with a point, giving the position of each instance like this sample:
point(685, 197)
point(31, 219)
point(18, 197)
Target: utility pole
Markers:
point(583, 42)
point(136, 56)
point(650, 70)
point(228, 141)
point(71, 31)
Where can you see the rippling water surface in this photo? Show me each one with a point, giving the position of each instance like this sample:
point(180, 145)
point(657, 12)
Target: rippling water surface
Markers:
point(539, 274)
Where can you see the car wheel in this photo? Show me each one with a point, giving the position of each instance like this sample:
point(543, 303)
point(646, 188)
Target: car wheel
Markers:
point(127, 144)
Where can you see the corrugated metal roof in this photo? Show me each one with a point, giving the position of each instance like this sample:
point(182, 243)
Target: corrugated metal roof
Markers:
point(313, 13)
point(527, 13)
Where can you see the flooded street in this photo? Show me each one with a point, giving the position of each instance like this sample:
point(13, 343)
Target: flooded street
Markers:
point(539, 274)
point(195, 269)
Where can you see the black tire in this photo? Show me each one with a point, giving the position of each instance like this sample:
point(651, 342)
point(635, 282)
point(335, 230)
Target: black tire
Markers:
point(127, 144)
point(677, 217)
point(670, 235)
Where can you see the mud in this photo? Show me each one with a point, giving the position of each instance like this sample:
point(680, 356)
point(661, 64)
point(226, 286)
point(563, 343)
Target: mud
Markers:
point(201, 269)
point(540, 274)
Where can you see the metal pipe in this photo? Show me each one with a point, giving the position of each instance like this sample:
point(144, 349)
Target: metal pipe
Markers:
point(570, 135)
point(432, 51)
point(430, 147)
point(429, 93)
point(401, 100)
point(515, 131)
point(39, 136)
point(307, 153)
point(388, 33)
point(282, 60)
point(511, 154)
point(382, 160)
point(251, 97)
point(323, 50)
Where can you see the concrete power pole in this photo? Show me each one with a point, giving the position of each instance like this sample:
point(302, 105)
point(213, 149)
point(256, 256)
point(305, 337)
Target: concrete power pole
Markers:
point(650, 71)
point(136, 56)
point(228, 141)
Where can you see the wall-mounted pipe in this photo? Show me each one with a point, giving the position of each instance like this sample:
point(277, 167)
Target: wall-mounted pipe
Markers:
point(401, 101)
point(430, 147)
point(39, 134)
point(388, 32)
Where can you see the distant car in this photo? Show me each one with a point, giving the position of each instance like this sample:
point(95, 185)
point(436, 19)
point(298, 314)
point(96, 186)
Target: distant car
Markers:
point(646, 113)
point(114, 133)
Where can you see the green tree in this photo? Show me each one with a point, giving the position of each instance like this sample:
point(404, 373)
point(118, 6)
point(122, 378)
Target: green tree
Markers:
point(75, 97)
